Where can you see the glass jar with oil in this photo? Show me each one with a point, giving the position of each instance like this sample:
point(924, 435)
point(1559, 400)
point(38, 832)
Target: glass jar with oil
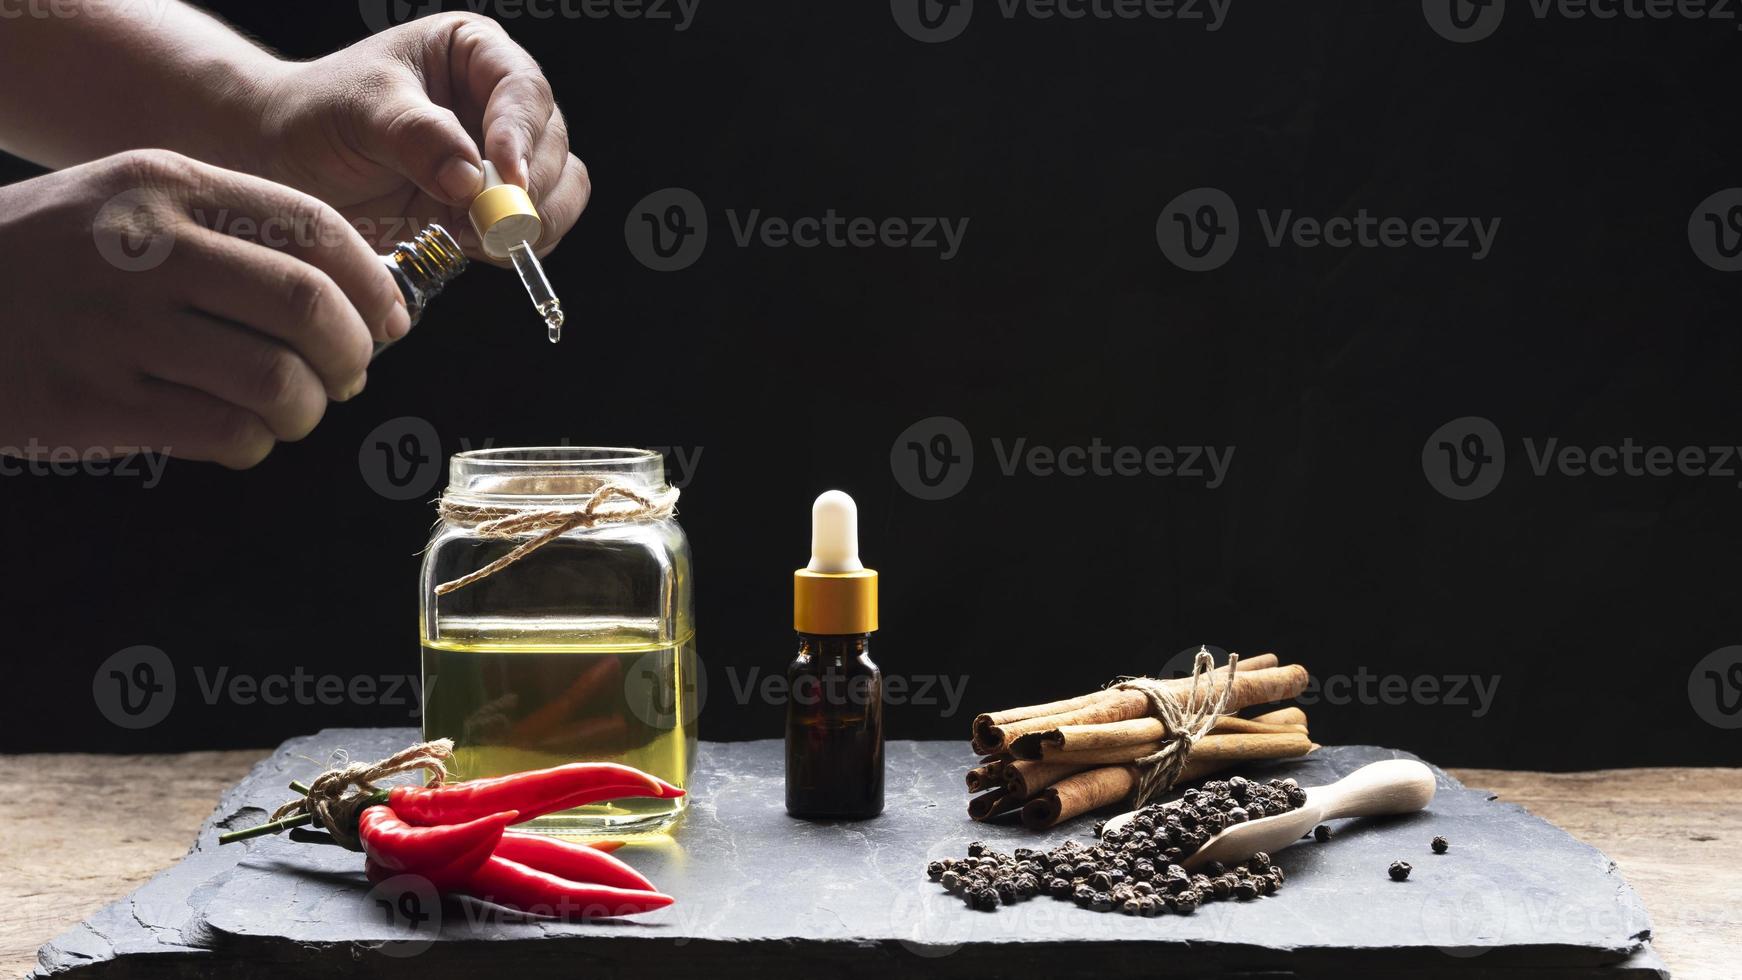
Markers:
point(557, 624)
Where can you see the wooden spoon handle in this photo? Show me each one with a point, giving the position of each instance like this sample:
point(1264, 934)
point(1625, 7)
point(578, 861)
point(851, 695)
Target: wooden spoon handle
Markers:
point(1377, 790)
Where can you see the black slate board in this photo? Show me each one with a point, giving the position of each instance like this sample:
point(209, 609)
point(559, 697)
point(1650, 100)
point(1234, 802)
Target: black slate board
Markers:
point(760, 892)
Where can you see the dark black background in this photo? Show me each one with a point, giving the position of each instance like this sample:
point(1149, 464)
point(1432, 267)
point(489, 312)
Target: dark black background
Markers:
point(793, 371)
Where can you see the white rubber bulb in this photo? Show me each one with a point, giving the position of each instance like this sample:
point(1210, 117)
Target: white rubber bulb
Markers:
point(835, 534)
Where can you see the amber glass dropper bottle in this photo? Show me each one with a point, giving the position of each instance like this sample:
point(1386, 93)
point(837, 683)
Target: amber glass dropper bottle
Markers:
point(421, 267)
point(834, 709)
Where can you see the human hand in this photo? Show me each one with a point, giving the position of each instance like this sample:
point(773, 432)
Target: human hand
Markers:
point(136, 322)
point(387, 130)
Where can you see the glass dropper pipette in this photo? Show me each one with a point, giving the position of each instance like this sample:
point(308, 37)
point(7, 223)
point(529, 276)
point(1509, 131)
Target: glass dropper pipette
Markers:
point(508, 225)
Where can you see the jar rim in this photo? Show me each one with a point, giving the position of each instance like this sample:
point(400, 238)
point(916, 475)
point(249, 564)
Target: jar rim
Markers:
point(550, 473)
point(600, 457)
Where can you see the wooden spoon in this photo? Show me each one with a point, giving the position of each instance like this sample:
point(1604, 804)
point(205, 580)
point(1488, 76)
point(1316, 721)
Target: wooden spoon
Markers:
point(1375, 790)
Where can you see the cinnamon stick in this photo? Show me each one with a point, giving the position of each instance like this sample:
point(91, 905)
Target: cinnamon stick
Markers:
point(1026, 778)
point(1073, 796)
point(1235, 725)
point(1113, 704)
point(1202, 767)
point(1284, 716)
point(1125, 720)
point(986, 776)
point(1095, 788)
point(1211, 749)
point(989, 805)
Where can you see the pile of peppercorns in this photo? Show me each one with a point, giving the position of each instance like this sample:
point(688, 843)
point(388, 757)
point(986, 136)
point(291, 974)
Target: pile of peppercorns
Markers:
point(1135, 868)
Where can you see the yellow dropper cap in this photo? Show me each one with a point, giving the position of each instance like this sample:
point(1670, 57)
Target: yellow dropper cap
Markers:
point(503, 215)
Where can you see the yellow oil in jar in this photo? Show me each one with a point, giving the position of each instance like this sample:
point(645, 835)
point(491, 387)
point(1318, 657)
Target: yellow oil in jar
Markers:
point(515, 698)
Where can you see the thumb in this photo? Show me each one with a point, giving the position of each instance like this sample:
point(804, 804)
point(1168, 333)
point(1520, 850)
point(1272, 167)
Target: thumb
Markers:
point(426, 143)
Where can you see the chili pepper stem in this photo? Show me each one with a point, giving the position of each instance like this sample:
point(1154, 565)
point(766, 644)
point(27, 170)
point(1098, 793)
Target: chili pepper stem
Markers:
point(376, 798)
point(266, 828)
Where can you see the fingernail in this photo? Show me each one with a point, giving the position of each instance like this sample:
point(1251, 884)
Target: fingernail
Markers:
point(459, 179)
point(526, 172)
point(398, 322)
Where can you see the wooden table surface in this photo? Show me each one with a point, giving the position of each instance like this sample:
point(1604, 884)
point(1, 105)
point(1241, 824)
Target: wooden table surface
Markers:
point(63, 856)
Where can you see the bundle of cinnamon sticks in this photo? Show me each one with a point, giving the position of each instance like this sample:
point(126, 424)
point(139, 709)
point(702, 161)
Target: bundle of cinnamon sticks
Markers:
point(1057, 760)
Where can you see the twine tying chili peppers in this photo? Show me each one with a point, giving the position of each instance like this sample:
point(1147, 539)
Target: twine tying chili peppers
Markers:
point(1187, 720)
point(608, 504)
point(335, 796)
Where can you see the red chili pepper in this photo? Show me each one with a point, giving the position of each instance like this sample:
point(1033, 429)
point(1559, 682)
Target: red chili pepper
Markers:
point(534, 793)
point(576, 862)
point(446, 856)
point(512, 885)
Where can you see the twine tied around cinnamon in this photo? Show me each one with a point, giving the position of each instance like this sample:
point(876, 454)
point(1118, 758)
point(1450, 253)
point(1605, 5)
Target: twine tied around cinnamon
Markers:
point(610, 503)
point(1187, 720)
point(336, 796)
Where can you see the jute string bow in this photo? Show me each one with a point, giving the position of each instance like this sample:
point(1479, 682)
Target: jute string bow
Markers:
point(336, 796)
point(609, 504)
point(1187, 720)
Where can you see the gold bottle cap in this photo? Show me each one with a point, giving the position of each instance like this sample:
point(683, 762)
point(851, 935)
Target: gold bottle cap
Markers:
point(835, 595)
point(834, 604)
point(503, 215)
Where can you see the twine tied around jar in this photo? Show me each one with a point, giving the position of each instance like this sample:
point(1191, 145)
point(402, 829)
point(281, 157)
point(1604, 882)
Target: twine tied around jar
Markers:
point(609, 503)
point(1187, 720)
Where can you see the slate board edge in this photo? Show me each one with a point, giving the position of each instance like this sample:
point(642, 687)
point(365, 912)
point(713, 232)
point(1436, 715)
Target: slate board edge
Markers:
point(86, 949)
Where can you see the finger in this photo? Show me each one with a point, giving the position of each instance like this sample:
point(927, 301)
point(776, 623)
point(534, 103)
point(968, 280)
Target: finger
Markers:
point(283, 298)
point(305, 228)
point(549, 157)
point(242, 368)
point(517, 99)
point(408, 133)
point(562, 207)
point(191, 424)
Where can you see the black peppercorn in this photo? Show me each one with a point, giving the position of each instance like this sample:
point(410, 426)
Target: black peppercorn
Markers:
point(1245, 889)
point(935, 870)
point(1441, 845)
point(976, 849)
point(1400, 870)
point(1322, 833)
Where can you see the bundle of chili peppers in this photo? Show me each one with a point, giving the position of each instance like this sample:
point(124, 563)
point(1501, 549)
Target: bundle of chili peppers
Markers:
point(456, 836)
